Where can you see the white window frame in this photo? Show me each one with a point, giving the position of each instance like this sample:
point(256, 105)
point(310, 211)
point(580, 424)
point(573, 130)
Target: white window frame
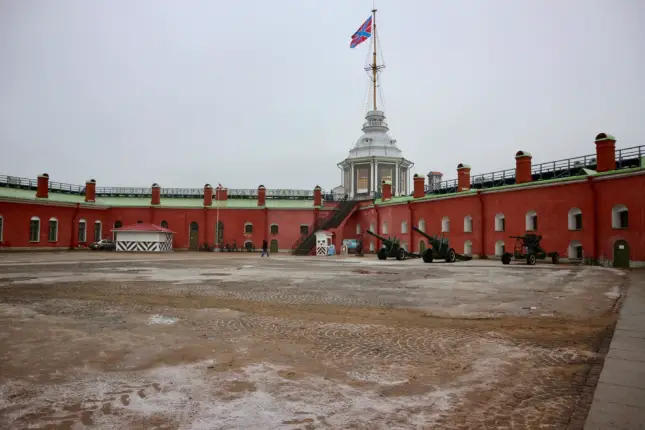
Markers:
point(500, 222)
point(530, 221)
point(270, 227)
point(422, 225)
point(572, 218)
point(34, 218)
point(49, 239)
point(468, 224)
point(499, 248)
point(100, 235)
point(1, 228)
point(82, 239)
point(247, 224)
point(445, 225)
point(615, 216)
point(404, 227)
point(468, 247)
point(384, 229)
point(572, 250)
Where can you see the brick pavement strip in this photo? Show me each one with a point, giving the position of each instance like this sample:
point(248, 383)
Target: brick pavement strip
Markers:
point(619, 399)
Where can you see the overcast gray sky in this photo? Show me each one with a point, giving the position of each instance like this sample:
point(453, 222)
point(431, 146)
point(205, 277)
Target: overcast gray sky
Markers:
point(256, 92)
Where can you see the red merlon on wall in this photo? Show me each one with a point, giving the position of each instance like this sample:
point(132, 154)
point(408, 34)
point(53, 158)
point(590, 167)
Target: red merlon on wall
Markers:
point(42, 190)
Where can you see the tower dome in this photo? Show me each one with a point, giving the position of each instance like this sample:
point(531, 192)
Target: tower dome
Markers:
point(375, 140)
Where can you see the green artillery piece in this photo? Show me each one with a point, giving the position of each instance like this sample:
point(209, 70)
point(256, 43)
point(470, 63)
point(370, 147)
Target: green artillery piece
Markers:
point(528, 247)
point(392, 248)
point(440, 249)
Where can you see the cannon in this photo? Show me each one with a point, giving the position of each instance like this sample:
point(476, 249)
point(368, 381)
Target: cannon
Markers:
point(528, 247)
point(439, 249)
point(391, 248)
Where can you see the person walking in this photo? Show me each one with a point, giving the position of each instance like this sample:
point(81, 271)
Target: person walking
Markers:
point(265, 248)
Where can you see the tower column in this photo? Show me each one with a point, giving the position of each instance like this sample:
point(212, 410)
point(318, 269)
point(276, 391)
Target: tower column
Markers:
point(397, 179)
point(352, 173)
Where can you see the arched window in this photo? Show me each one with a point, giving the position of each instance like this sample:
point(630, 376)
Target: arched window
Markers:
point(384, 227)
point(53, 230)
point(164, 224)
point(274, 228)
point(575, 250)
point(1, 228)
point(97, 230)
point(468, 247)
point(422, 225)
point(575, 219)
point(82, 231)
point(404, 227)
point(531, 221)
point(304, 229)
point(445, 224)
point(372, 227)
point(500, 222)
point(248, 228)
point(468, 224)
point(248, 245)
point(358, 229)
point(499, 248)
point(34, 229)
point(619, 217)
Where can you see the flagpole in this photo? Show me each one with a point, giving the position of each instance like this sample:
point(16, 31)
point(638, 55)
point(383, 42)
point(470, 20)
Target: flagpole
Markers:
point(374, 67)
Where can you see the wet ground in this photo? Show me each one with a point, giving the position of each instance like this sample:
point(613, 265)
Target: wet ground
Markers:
point(212, 341)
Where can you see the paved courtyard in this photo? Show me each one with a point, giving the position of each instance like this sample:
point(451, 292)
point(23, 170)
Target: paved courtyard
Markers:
point(224, 341)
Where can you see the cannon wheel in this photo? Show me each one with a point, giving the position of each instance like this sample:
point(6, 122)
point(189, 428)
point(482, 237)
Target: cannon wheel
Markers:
point(531, 259)
point(451, 257)
point(400, 254)
point(427, 256)
point(382, 254)
point(506, 258)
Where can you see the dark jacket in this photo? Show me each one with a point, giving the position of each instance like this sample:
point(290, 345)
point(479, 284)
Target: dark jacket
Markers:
point(264, 245)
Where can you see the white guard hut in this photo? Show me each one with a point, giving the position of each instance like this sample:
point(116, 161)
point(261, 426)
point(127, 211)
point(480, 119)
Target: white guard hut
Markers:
point(143, 238)
point(323, 240)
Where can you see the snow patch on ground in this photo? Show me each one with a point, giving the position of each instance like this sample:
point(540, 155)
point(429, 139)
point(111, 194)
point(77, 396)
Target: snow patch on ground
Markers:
point(614, 293)
point(160, 319)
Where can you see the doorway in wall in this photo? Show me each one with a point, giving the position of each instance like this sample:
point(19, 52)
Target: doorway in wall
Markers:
point(194, 237)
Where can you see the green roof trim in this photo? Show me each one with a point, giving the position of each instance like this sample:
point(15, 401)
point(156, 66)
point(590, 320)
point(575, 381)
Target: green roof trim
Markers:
point(393, 201)
point(187, 203)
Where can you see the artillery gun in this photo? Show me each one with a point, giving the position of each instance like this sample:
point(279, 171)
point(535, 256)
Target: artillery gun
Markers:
point(392, 248)
point(439, 249)
point(528, 247)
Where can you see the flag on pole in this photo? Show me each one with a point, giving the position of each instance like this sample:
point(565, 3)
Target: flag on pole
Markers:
point(362, 34)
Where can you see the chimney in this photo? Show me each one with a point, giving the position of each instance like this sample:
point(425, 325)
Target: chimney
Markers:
point(90, 191)
point(221, 193)
point(523, 167)
point(262, 195)
point(605, 152)
point(386, 190)
point(208, 195)
point(419, 183)
point(42, 189)
point(317, 196)
point(156, 194)
point(463, 177)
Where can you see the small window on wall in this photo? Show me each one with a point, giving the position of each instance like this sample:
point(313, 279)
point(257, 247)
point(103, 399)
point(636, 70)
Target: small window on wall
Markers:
point(468, 224)
point(139, 222)
point(97, 231)
point(422, 225)
point(164, 224)
point(531, 221)
point(304, 230)
point(371, 246)
point(619, 217)
point(500, 222)
point(82, 231)
point(404, 227)
point(53, 230)
point(248, 228)
point(445, 225)
point(274, 228)
point(358, 229)
point(372, 228)
point(1, 227)
point(384, 227)
point(34, 229)
point(499, 248)
point(575, 219)
point(118, 224)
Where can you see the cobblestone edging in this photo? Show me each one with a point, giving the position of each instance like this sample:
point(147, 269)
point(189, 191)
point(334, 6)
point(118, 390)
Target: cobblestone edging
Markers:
point(583, 405)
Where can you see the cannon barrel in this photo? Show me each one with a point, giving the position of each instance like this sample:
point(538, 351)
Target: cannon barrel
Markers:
point(383, 239)
point(422, 233)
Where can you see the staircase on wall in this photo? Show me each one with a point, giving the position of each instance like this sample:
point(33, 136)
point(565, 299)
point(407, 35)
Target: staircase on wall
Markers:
point(306, 243)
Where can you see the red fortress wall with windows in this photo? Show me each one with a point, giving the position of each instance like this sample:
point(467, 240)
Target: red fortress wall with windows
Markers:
point(595, 210)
